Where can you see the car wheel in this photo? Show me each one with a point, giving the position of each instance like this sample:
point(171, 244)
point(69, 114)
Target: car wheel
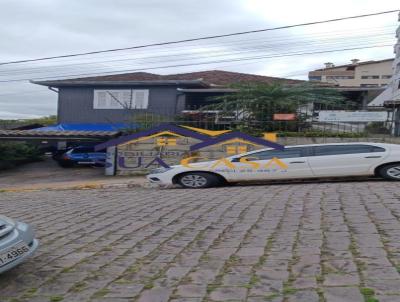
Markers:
point(390, 172)
point(198, 180)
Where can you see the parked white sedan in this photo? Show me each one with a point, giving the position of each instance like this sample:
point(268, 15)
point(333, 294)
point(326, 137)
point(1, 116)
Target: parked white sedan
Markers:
point(294, 162)
point(17, 242)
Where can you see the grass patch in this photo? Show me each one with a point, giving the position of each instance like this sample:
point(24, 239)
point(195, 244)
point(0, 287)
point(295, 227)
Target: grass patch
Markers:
point(30, 293)
point(79, 286)
point(134, 268)
point(68, 270)
point(56, 298)
point(368, 294)
point(122, 281)
point(101, 293)
point(211, 287)
point(148, 285)
point(232, 260)
point(272, 297)
point(254, 279)
point(287, 290)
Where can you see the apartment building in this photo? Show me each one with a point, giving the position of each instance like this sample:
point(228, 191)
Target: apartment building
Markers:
point(390, 97)
point(355, 74)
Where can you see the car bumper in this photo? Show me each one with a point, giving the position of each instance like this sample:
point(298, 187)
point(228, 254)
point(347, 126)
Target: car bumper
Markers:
point(160, 179)
point(21, 233)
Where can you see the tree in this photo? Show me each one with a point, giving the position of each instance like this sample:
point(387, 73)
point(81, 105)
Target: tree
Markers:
point(261, 101)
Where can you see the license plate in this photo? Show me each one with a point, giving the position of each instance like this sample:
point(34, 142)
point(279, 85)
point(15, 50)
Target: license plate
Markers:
point(13, 253)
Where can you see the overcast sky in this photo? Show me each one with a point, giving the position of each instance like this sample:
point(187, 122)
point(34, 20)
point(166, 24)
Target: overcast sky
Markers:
point(38, 28)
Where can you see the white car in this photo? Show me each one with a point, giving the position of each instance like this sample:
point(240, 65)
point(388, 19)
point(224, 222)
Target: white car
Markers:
point(294, 162)
point(17, 242)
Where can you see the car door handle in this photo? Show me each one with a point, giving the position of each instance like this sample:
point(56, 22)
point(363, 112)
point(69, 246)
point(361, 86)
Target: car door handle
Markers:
point(297, 162)
point(376, 156)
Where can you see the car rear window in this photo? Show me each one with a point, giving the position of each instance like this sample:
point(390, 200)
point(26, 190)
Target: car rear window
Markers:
point(345, 149)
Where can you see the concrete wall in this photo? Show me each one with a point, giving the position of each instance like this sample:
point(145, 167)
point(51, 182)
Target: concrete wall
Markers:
point(140, 157)
point(75, 105)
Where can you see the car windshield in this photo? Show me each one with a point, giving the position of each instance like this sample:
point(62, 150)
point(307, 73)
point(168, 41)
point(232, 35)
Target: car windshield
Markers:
point(82, 150)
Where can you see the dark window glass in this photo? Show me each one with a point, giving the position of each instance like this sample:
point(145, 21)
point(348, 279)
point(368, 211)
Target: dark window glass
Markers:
point(286, 153)
point(370, 77)
point(369, 85)
point(346, 149)
point(82, 150)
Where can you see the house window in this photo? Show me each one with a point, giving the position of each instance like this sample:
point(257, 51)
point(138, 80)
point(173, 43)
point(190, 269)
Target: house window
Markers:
point(369, 85)
point(386, 76)
point(314, 78)
point(340, 77)
point(370, 77)
point(120, 99)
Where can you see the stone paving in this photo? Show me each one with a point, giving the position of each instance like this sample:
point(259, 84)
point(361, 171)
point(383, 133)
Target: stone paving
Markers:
point(323, 242)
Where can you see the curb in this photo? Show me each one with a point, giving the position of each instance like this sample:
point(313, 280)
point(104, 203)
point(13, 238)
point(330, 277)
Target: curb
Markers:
point(86, 186)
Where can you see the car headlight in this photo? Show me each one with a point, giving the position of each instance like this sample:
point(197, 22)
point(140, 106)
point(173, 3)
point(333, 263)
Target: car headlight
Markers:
point(159, 170)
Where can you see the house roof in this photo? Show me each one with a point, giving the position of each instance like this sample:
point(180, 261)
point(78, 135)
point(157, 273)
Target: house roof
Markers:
point(84, 82)
point(222, 77)
point(202, 78)
point(23, 134)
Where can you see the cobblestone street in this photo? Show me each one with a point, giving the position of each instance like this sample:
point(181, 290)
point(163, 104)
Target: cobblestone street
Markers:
point(332, 242)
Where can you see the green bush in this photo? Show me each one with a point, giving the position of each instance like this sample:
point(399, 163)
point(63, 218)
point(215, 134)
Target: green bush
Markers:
point(12, 154)
point(313, 133)
point(377, 128)
point(321, 134)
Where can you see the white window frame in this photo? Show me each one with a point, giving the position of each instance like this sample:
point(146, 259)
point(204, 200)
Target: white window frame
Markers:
point(120, 99)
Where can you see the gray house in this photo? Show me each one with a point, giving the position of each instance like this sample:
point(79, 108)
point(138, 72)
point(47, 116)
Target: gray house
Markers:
point(112, 99)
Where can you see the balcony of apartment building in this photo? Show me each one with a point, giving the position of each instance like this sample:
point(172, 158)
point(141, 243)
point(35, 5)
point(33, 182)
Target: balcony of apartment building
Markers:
point(337, 77)
point(374, 80)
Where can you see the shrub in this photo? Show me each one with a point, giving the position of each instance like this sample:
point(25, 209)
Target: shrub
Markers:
point(12, 154)
point(377, 128)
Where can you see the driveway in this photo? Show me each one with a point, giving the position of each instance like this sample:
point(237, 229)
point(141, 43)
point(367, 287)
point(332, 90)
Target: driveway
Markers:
point(298, 242)
point(48, 174)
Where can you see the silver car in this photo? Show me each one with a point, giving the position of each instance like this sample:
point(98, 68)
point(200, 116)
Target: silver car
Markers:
point(17, 242)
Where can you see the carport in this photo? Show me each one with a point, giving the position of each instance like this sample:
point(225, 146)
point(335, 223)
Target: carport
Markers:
point(58, 139)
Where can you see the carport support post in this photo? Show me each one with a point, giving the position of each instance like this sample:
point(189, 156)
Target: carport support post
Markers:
point(110, 161)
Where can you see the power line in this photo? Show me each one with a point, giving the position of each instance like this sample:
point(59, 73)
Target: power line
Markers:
point(200, 38)
point(118, 63)
point(342, 34)
point(209, 53)
point(203, 63)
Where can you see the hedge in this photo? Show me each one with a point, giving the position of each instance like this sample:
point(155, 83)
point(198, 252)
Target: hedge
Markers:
point(13, 154)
